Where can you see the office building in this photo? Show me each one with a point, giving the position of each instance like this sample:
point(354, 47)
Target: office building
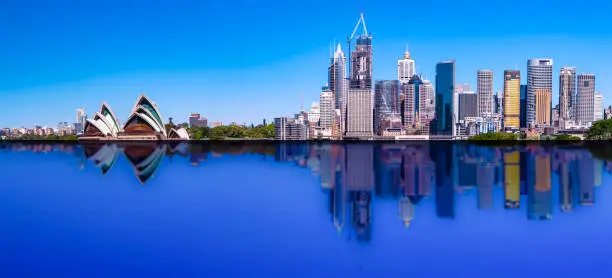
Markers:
point(361, 63)
point(405, 68)
point(386, 102)
point(567, 94)
point(195, 120)
point(327, 109)
point(539, 77)
point(337, 79)
point(598, 107)
point(585, 100)
point(419, 104)
point(543, 102)
point(512, 87)
point(290, 129)
point(499, 102)
point(484, 87)
point(523, 110)
point(445, 83)
point(468, 105)
point(359, 113)
point(315, 113)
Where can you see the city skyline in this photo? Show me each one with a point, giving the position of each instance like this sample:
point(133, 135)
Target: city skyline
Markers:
point(174, 65)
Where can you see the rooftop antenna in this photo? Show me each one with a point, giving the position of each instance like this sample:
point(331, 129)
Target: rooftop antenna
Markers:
point(301, 102)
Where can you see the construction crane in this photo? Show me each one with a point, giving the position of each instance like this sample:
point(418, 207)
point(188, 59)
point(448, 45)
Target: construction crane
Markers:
point(349, 39)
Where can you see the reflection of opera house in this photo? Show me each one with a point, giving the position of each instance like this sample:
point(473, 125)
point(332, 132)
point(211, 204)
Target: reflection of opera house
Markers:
point(144, 123)
point(144, 157)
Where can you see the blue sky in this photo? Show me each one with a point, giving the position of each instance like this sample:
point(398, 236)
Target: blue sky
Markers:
point(248, 60)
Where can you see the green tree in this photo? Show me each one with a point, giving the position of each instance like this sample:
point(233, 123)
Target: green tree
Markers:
point(494, 136)
point(600, 130)
point(566, 137)
point(218, 133)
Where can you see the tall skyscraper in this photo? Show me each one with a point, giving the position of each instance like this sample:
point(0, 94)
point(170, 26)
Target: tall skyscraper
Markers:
point(468, 105)
point(359, 107)
point(386, 102)
point(419, 104)
point(445, 85)
point(326, 108)
point(405, 68)
point(499, 103)
point(567, 94)
point(512, 88)
point(337, 79)
point(598, 107)
point(523, 110)
point(585, 101)
point(543, 109)
point(484, 88)
point(539, 77)
point(81, 118)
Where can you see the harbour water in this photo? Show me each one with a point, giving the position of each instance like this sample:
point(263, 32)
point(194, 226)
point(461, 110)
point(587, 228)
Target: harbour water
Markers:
point(305, 210)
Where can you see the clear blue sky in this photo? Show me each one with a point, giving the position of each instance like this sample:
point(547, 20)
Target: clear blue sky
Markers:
point(247, 60)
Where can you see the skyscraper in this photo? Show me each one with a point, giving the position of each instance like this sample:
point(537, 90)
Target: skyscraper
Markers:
point(512, 87)
point(598, 107)
point(81, 118)
point(468, 105)
point(567, 94)
point(326, 108)
point(359, 107)
point(539, 77)
point(445, 84)
point(386, 102)
point(405, 68)
point(419, 104)
point(543, 102)
point(585, 100)
point(337, 79)
point(523, 110)
point(484, 88)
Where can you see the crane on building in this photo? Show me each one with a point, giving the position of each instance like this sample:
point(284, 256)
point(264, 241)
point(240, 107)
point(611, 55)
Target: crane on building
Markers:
point(349, 39)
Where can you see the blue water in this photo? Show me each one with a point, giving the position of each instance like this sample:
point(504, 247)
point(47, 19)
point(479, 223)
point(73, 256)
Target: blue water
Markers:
point(304, 210)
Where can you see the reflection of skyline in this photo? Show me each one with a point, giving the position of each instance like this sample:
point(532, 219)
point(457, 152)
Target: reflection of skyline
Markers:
point(355, 176)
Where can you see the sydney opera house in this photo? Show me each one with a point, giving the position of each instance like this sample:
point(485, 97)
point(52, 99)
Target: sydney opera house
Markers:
point(144, 124)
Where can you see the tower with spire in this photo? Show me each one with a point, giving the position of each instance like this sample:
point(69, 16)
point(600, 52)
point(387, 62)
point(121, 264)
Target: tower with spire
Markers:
point(405, 68)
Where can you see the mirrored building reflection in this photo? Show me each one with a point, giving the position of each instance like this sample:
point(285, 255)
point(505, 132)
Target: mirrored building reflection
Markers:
point(539, 180)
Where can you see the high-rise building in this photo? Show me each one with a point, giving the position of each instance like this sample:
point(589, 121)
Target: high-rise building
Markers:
point(445, 84)
point(290, 129)
point(359, 113)
point(598, 107)
point(585, 100)
point(337, 79)
point(484, 88)
point(512, 88)
point(543, 102)
point(419, 104)
point(405, 68)
point(468, 105)
point(567, 94)
point(499, 103)
point(539, 77)
point(386, 102)
point(81, 118)
point(359, 101)
point(523, 110)
point(315, 113)
point(195, 120)
point(327, 109)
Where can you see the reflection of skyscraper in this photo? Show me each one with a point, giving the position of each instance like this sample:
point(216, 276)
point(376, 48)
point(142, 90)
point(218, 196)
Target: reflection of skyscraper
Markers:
point(443, 156)
point(512, 180)
point(566, 171)
point(540, 194)
point(387, 168)
point(417, 176)
point(587, 179)
point(339, 192)
point(598, 171)
point(325, 167)
point(485, 177)
point(359, 182)
point(445, 86)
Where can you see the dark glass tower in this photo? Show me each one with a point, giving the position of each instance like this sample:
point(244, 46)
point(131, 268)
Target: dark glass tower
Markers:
point(445, 85)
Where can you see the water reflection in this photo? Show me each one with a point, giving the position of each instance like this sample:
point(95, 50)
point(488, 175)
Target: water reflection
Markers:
point(354, 175)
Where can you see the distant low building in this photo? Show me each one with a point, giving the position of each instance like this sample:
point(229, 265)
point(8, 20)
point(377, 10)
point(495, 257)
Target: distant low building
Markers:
point(216, 124)
point(290, 129)
point(195, 120)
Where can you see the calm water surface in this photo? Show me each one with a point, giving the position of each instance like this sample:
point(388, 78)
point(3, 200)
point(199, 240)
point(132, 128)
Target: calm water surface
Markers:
point(304, 210)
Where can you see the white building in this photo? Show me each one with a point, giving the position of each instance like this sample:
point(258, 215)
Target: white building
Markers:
point(327, 109)
point(359, 113)
point(484, 88)
point(598, 107)
point(405, 68)
point(315, 113)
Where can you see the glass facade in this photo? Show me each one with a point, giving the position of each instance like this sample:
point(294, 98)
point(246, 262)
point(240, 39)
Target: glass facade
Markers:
point(445, 85)
point(386, 101)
